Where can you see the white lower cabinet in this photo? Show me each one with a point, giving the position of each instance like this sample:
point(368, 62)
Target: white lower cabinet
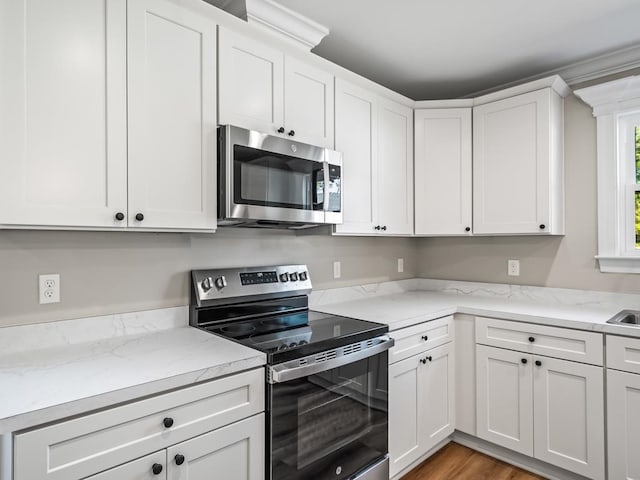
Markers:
point(216, 426)
point(543, 407)
point(623, 407)
point(421, 405)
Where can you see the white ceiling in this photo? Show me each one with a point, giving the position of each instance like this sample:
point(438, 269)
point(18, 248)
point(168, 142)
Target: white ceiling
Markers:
point(434, 49)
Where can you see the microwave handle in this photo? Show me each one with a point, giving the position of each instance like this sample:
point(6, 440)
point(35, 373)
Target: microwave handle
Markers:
point(325, 201)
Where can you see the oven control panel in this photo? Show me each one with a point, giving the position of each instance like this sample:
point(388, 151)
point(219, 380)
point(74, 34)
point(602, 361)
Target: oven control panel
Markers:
point(212, 285)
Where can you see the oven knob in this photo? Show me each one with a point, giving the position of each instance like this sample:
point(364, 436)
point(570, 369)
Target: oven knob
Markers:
point(221, 282)
point(207, 284)
point(284, 277)
point(303, 276)
point(293, 276)
point(293, 344)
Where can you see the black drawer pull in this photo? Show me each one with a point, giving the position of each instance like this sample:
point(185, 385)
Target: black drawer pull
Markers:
point(156, 469)
point(168, 422)
point(179, 459)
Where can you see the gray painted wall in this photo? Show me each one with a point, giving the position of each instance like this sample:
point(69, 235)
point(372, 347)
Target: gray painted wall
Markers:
point(114, 272)
point(545, 261)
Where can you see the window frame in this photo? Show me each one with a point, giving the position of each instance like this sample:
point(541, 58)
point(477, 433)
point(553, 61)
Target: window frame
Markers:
point(616, 106)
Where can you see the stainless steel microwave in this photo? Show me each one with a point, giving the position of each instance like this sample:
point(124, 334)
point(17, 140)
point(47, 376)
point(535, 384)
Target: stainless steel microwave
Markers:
point(271, 181)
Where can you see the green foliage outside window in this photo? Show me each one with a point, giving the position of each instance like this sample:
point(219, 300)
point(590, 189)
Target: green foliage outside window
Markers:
point(637, 181)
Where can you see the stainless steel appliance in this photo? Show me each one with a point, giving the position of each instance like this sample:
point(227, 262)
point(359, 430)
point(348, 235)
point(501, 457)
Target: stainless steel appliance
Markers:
point(327, 400)
point(271, 181)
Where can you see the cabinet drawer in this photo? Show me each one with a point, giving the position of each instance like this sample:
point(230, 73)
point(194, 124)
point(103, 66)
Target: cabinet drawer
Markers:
point(623, 353)
point(76, 448)
point(575, 345)
point(413, 340)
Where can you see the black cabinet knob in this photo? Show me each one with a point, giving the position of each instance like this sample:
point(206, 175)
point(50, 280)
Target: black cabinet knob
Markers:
point(377, 227)
point(524, 361)
point(168, 422)
point(531, 339)
point(425, 338)
point(179, 459)
point(468, 229)
point(281, 130)
point(542, 226)
point(430, 358)
point(538, 363)
point(423, 360)
point(156, 469)
point(119, 216)
point(384, 227)
point(139, 217)
point(291, 133)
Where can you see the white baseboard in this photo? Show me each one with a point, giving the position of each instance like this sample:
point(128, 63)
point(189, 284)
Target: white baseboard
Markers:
point(517, 459)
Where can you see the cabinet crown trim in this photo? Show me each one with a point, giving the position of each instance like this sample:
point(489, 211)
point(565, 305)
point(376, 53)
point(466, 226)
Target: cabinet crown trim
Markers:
point(285, 23)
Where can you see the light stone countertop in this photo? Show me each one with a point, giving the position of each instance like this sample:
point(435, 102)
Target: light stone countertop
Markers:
point(405, 303)
point(87, 364)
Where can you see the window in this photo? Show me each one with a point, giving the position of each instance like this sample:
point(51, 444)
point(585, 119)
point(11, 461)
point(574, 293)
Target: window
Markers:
point(616, 106)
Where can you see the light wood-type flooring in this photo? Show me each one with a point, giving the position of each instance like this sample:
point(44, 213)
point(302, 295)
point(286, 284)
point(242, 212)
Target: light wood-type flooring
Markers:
point(455, 462)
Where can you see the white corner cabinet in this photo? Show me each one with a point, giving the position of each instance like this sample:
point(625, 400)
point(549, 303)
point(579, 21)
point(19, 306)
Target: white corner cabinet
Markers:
point(443, 171)
point(492, 165)
point(549, 408)
point(623, 407)
point(264, 89)
point(375, 136)
point(216, 426)
point(518, 185)
point(108, 115)
point(421, 391)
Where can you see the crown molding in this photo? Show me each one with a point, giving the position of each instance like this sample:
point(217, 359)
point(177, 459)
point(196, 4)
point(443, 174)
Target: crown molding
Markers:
point(277, 19)
point(615, 96)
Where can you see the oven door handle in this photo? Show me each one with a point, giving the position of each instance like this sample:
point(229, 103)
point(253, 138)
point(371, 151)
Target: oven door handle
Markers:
point(328, 360)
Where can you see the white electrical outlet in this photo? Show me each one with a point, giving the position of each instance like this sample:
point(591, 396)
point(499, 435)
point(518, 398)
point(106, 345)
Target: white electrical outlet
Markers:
point(336, 270)
point(513, 268)
point(400, 265)
point(49, 288)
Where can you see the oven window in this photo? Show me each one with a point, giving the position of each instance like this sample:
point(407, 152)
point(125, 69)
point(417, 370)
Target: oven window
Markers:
point(332, 424)
point(275, 180)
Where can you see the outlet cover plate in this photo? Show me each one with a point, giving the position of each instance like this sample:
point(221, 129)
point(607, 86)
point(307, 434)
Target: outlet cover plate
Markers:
point(49, 290)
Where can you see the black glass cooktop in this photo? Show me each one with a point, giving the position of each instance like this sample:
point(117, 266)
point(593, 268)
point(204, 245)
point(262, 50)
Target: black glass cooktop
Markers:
point(294, 335)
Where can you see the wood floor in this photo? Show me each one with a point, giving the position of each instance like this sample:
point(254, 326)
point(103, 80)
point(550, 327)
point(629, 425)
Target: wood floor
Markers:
point(455, 462)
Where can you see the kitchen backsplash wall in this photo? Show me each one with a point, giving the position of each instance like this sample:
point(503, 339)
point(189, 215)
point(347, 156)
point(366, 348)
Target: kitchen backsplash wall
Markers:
point(544, 261)
point(114, 272)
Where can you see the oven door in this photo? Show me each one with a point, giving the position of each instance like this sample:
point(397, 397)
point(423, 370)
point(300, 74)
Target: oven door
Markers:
point(272, 179)
point(329, 423)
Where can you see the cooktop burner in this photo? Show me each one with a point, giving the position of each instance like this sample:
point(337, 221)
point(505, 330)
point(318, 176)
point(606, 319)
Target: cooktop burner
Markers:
point(290, 336)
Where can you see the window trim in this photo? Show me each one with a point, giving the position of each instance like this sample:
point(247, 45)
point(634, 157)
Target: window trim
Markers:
point(611, 103)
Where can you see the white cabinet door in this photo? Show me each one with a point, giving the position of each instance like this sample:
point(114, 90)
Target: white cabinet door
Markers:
point(251, 83)
point(172, 116)
point(140, 469)
point(308, 103)
point(356, 125)
point(63, 125)
point(437, 391)
point(405, 413)
point(395, 168)
point(504, 391)
point(443, 171)
point(516, 166)
point(569, 415)
point(234, 452)
point(623, 425)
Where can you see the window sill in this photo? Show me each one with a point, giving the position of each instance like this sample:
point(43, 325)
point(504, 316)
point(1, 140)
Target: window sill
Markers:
point(619, 264)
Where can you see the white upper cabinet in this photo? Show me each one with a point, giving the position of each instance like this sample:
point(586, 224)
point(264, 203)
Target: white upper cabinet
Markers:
point(107, 115)
point(263, 89)
point(517, 165)
point(356, 127)
point(375, 136)
point(395, 168)
point(63, 125)
point(172, 116)
point(443, 171)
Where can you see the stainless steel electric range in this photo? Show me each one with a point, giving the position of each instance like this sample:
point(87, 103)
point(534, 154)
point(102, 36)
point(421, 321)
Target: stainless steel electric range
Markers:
point(327, 400)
